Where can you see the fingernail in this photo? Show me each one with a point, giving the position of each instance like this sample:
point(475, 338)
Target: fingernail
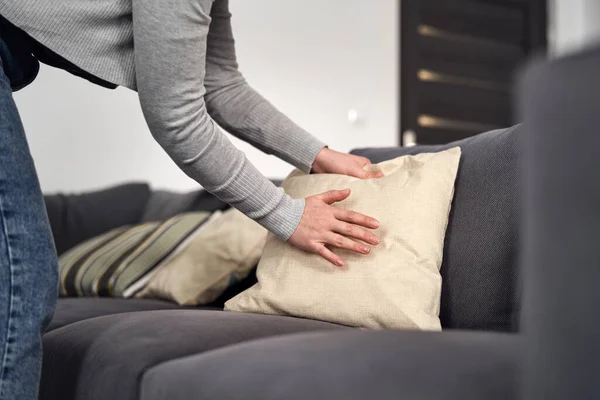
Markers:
point(375, 224)
point(340, 263)
point(376, 241)
point(366, 249)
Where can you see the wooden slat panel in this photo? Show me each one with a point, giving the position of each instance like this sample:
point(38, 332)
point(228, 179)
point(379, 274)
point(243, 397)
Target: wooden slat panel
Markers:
point(504, 23)
point(437, 122)
point(468, 70)
point(484, 114)
point(465, 103)
point(432, 31)
point(410, 55)
point(459, 58)
point(425, 75)
point(471, 60)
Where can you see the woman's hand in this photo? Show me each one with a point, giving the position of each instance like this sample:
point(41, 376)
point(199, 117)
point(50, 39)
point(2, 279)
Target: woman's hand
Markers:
point(333, 162)
point(322, 225)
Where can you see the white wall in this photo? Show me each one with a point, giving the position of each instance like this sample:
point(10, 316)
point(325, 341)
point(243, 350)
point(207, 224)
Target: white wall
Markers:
point(313, 59)
point(573, 25)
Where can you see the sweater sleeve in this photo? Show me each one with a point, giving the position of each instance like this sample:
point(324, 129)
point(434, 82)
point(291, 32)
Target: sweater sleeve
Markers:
point(242, 111)
point(170, 55)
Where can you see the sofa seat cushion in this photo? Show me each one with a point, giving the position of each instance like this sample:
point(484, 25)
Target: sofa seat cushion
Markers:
point(106, 357)
point(71, 310)
point(346, 365)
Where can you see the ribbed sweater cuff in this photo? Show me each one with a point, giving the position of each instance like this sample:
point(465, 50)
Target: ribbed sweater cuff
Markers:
point(284, 138)
point(285, 218)
point(237, 182)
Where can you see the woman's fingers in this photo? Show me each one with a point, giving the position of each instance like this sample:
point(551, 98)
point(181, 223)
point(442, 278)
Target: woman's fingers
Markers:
point(355, 218)
point(355, 232)
point(358, 169)
point(372, 174)
point(362, 173)
point(329, 255)
point(343, 242)
point(323, 225)
point(333, 196)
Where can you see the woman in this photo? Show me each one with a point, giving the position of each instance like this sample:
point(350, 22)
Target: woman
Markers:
point(184, 68)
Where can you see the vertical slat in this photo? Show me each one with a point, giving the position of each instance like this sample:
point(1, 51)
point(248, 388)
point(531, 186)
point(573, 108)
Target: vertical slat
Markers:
point(537, 29)
point(409, 62)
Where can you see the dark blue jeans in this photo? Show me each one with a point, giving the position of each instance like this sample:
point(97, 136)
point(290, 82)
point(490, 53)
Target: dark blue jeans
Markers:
point(28, 263)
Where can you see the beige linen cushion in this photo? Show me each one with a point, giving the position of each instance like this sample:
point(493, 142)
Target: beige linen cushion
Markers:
point(398, 285)
point(224, 251)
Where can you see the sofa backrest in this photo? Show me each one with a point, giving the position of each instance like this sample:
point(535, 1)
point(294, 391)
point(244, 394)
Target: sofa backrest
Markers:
point(75, 218)
point(479, 268)
point(163, 204)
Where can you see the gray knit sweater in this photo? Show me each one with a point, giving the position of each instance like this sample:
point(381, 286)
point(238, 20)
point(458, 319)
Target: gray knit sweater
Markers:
point(184, 68)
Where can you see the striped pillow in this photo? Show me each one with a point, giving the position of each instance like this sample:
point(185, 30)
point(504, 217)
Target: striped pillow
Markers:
point(108, 264)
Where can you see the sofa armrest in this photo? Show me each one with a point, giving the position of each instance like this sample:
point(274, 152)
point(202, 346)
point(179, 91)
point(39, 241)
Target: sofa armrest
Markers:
point(560, 101)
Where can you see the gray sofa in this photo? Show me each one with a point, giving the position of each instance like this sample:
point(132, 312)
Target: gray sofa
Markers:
point(123, 349)
point(152, 350)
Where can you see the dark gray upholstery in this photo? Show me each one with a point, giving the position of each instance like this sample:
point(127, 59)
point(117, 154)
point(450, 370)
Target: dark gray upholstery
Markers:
point(388, 365)
point(75, 218)
point(71, 310)
point(105, 357)
point(561, 104)
point(165, 204)
point(479, 269)
point(101, 348)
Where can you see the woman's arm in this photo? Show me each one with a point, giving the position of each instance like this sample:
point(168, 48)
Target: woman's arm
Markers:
point(170, 54)
point(243, 112)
